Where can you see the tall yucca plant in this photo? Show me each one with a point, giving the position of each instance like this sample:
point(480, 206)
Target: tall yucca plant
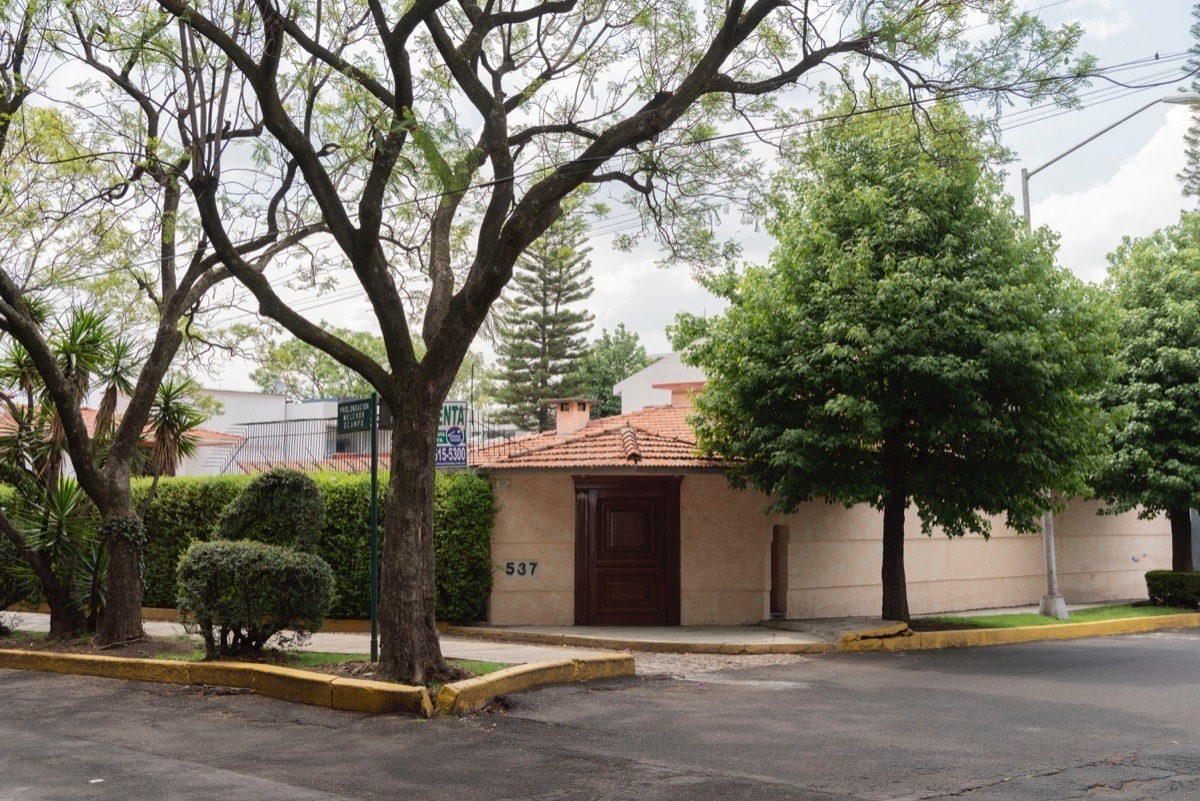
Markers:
point(172, 420)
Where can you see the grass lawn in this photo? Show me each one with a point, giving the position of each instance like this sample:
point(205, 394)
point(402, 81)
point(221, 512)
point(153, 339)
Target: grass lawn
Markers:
point(1030, 619)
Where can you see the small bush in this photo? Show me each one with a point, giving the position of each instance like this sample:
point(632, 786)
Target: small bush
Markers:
point(280, 507)
point(463, 511)
point(240, 594)
point(1168, 588)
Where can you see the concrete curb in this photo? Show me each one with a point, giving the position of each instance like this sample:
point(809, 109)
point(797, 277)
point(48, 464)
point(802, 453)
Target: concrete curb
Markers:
point(649, 646)
point(300, 686)
point(470, 695)
point(908, 640)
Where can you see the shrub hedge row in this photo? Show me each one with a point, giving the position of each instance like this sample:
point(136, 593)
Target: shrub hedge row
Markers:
point(1167, 588)
point(186, 510)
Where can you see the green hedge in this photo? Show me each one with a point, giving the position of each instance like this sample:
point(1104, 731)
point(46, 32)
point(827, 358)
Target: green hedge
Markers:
point(463, 511)
point(1168, 588)
point(185, 510)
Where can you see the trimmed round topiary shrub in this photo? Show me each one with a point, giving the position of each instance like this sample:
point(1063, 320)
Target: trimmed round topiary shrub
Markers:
point(1168, 588)
point(280, 507)
point(240, 594)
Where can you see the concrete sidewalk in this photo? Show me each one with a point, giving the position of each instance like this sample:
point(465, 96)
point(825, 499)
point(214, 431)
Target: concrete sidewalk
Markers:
point(332, 642)
point(521, 644)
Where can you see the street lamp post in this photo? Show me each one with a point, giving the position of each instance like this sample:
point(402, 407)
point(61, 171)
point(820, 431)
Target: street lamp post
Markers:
point(1052, 604)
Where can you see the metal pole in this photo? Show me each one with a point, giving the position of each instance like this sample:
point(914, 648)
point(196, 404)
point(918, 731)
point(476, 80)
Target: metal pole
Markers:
point(374, 527)
point(1052, 604)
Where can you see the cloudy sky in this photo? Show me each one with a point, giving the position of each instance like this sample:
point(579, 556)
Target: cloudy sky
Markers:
point(1122, 184)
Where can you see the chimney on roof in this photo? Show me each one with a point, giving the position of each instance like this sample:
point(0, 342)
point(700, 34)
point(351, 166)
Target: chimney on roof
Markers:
point(682, 392)
point(571, 414)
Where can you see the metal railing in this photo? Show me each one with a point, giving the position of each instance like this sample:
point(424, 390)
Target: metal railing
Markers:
point(314, 444)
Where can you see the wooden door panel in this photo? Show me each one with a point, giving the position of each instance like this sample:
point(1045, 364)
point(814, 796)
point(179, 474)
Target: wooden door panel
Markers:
point(627, 552)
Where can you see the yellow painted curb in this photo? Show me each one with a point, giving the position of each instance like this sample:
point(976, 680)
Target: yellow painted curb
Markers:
point(466, 696)
point(966, 638)
point(300, 686)
point(648, 646)
point(379, 697)
point(889, 630)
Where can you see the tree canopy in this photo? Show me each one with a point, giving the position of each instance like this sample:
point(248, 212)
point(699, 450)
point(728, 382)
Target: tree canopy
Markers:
point(907, 344)
point(428, 144)
point(1155, 462)
point(611, 359)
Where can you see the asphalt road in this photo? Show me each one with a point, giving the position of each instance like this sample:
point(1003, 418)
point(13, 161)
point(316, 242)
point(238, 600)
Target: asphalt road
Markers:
point(1113, 718)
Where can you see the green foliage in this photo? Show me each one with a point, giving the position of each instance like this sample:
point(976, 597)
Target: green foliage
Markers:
point(13, 587)
point(903, 306)
point(183, 511)
point(1155, 287)
point(463, 512)
point(280, 507)
point(306, 372)
point(907, 344)
point(240, 594)
point(346, 542)
point(612, 358)
point(541, 329)
point(1170, 588)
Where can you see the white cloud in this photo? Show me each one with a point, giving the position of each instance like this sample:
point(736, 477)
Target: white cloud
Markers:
point(1141, 196)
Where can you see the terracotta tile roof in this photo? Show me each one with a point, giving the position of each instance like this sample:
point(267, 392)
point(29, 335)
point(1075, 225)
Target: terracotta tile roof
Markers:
point(204, 436)
point(658, 436)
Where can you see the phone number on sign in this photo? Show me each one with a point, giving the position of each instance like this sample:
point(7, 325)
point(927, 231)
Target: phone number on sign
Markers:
point(452, 455)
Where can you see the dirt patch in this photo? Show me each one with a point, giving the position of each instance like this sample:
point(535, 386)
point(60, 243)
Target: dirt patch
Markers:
point(144, 648)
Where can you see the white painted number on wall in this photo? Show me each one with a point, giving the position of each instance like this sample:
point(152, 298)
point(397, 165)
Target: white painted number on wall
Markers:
point(526, 568)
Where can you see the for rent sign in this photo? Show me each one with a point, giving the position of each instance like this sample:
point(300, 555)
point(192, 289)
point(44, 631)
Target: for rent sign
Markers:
point(452, 435)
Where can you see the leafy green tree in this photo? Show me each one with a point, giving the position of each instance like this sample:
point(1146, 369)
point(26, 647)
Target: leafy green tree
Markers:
point(307, 372)
point(612, 358)
point(96, 212)
point(434, 143)
point(542, 327)
point(1155, 464)
point(907, 345)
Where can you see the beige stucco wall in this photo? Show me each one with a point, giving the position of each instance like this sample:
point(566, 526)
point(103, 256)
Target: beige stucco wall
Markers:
point(535, 520)
point(834, 557)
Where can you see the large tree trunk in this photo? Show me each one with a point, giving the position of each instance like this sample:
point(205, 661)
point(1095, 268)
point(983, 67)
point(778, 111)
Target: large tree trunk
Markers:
point(67, 620)
point(123, 535)
point(410, 650)
point(1181, 539)
point(895, 585)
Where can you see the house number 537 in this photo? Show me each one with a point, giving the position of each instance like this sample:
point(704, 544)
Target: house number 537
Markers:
point(526, 568)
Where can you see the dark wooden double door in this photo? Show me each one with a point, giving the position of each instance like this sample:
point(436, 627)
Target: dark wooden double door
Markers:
point(627, 551)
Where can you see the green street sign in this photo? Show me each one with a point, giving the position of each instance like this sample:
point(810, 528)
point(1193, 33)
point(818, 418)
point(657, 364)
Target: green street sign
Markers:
point(354, 415)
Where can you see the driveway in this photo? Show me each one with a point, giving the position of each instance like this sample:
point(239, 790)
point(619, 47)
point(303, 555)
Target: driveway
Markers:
point(1112, 718)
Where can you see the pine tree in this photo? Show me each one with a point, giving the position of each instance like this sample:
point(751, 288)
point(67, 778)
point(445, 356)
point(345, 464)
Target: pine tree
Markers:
point(1190, 176)
point(542, 332)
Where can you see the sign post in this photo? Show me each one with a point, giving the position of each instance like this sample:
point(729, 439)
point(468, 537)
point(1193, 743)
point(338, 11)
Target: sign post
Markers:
point(361, 415)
